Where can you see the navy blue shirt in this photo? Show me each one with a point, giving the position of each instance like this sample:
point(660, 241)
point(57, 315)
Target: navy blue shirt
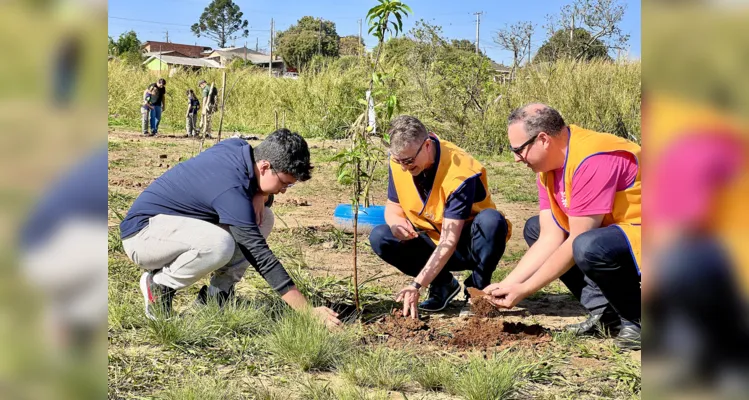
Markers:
point(459, 203)
point(80, 193)
point(216, 186)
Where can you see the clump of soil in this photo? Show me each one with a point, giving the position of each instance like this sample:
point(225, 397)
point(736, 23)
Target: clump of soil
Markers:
point(395, 325)
point(481, 306)
point(489, 333)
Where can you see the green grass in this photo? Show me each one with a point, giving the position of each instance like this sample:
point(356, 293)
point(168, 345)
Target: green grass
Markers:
point(434, 373)
point(300, 339)
point(493, 379)
point(380, 367)
point(626, 371)
point(202, 388)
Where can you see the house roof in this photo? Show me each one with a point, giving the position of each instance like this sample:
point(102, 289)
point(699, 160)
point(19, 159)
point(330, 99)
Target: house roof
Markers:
point(186, 49)
point(254, 57)
point(193, 62)
point(164, 53)
point(500, 68)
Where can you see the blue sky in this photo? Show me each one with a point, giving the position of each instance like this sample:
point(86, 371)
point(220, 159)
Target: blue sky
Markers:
point(455, 17)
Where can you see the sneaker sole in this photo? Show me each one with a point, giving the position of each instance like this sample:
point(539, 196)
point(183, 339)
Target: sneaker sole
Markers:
point(449, 299)
point(146, 295)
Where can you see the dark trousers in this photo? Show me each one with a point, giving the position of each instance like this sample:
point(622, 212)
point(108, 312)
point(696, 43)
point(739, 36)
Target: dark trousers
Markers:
point(697, 310)
point(481, 245)
point(605, 275)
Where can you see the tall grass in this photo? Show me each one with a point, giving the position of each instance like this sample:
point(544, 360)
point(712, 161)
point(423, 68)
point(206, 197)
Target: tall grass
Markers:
point(323, 101)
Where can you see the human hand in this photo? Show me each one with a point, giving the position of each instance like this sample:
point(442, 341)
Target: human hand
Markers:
point(508, 295)
point(403, 232)
point(409, 295)
point(327, 316)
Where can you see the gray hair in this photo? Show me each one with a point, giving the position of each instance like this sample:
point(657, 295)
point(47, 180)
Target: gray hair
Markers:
point(404, 131)
point(537, 118)
point(286, 152)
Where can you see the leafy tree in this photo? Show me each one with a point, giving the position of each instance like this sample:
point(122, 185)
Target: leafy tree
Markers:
point(558, 46)
point(350, 46)
point(464, 44)
point(219, 21)
point(298, 44)
point(127, 42)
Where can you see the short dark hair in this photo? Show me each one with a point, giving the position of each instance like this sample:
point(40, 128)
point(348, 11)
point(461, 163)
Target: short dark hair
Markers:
point(161, 81)
point(538, 118)
point(286, 152)
point(404, 131)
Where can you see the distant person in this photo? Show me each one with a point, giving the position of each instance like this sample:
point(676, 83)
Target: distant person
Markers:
point(158, 102)
point(209, 106)
point(588, 230)
point(192, 113)
point(209, 215)
point(146, 107)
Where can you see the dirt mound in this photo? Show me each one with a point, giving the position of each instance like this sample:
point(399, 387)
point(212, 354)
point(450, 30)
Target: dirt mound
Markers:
point(478, 332)
point(489, 333)
point(398, 327)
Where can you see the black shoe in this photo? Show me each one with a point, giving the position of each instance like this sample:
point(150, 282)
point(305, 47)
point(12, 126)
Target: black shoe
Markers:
point(221, 298)
point(440, 296)
point(158, 298)
point(602, 323)
point(629, 338)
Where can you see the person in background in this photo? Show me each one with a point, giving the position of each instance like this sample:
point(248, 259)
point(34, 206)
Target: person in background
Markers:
point(146, 107)
point(192, 113)
point(159, 106)
point(209, 105)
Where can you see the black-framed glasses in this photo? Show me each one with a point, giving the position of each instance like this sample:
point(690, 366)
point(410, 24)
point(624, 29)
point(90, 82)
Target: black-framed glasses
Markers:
point(284, 184)
point(410, 160)
point(519, 149)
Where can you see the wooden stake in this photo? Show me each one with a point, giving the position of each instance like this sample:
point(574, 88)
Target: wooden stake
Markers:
point(275, 114)
point(205, 120)
point(223, 94)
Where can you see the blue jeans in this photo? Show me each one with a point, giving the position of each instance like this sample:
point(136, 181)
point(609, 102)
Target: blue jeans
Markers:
point(481, 245)
point(604, 276)
point(155, 118)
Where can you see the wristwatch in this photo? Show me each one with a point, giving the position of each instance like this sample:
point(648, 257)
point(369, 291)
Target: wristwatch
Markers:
point(415, 284)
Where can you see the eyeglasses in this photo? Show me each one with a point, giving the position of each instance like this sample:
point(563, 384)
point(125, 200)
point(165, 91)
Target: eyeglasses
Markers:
point(410, 160)
point(519, 149)
point(284, 184)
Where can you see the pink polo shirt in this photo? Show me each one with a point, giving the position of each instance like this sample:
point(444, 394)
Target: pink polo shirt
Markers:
point(594, 184)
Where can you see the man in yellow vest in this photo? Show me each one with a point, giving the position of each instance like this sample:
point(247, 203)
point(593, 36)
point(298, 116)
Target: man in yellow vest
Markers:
point(440, 217)
point(588, 230)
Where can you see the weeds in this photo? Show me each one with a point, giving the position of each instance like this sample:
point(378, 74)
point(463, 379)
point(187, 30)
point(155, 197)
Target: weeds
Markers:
point(493, 379)
point(300, 339)
point(202, 388)
point(434, 374)
point(626, 372)
point(381, 368)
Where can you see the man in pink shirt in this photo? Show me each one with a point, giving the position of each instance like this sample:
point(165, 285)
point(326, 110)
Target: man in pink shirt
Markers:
point(594, 260)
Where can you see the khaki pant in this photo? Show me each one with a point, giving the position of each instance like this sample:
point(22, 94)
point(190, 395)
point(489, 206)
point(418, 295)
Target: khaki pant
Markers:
point(190, 124)
point(144, 119)
point(207, 117)
point(186, 249)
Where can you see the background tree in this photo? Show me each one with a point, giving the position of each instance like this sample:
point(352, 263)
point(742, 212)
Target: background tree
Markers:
point(219, 21)
point(298, 44)
point(600, 18)
point(127, 42)
point(126, 48)
point(515, 38)
point(559, 46)
point(351, 46)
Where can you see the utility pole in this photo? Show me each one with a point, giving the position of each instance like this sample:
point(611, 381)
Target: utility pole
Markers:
point(256, 42)
point(359, 45)
point(270, 60)
point(245, 51)
point(478, 22)
point(167, 36)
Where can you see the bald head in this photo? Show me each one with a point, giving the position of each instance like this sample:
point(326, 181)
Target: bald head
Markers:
point(537, 118)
